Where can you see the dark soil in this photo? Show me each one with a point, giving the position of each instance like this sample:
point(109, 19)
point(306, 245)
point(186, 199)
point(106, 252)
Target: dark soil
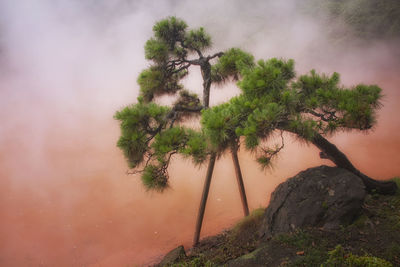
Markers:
point(375, 233)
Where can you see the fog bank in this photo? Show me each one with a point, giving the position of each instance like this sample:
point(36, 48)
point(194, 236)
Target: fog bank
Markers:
point(67, 66)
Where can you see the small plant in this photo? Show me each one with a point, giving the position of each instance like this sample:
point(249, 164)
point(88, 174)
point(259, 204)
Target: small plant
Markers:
point(312, 257)
point(200, 261)
point(299, 239)
point(324, 205)
point(250, 222)
point(361, 221)
point(338, 257)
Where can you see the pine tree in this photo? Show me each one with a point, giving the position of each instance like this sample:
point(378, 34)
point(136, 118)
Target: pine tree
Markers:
point(151, 134)
point(272, 101)
point(310, 107)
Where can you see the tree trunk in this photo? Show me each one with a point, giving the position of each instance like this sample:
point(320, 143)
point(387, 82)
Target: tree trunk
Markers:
point(206, 74)
point(239, 179)
point(340, 159)
point(204, 196)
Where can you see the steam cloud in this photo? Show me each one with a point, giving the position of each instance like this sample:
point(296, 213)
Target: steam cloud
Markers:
point(67, 66)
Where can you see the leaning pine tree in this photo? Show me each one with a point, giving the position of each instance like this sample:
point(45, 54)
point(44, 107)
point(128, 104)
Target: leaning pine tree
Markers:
point(310, 107)
point(272, 101)
point(151, 134)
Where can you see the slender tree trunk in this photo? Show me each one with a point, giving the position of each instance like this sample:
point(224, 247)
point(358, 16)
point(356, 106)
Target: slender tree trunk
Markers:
point(204, 196)
point(340, 159)
point(206, 74)
point(239, 179)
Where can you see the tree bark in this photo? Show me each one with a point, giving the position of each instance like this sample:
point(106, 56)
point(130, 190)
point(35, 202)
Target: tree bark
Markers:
point(239, 179)
point(340, 159)
point(206, 74)
point(204, 196)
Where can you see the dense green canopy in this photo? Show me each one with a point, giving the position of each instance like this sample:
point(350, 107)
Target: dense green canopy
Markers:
point(150, 133)
point(272, 100)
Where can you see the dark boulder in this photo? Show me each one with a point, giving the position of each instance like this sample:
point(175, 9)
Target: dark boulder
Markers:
point(318, 197)
point(173, 256)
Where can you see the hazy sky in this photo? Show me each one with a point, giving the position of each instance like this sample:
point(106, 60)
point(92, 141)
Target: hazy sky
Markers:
point(67, 65)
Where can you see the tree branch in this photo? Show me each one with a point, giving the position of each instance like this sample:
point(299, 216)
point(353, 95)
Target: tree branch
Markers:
point(219, 54)
point(198, 52)
point(331, 115)
point(181, 69)
point(180, 108)
point(272, 153)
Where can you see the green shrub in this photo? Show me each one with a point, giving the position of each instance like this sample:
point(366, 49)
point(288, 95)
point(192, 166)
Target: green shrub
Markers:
point(249, 222)
point(338, 257)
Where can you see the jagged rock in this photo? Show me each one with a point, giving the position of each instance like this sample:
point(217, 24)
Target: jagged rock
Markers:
point(320, 197)
point(173, 256)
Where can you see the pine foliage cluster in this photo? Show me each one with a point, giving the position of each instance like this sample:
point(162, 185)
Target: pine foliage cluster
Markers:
point(272, 101)
point(150, 133)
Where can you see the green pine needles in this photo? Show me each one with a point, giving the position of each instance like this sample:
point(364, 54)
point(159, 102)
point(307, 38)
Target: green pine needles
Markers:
point(231, 64)
point(272, 101)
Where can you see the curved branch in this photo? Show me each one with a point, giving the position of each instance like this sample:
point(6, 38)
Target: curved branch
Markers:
point(340, 160)
point(180, 108)
point(331, 115)
point(198, 52)
point(270, 153)
point(219, 54)
point(184, 67)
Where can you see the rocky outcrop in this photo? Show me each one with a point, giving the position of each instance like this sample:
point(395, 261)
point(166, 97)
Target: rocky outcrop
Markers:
point(319, 197)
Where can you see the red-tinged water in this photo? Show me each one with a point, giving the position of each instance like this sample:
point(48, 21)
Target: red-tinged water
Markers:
point(65, 199)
